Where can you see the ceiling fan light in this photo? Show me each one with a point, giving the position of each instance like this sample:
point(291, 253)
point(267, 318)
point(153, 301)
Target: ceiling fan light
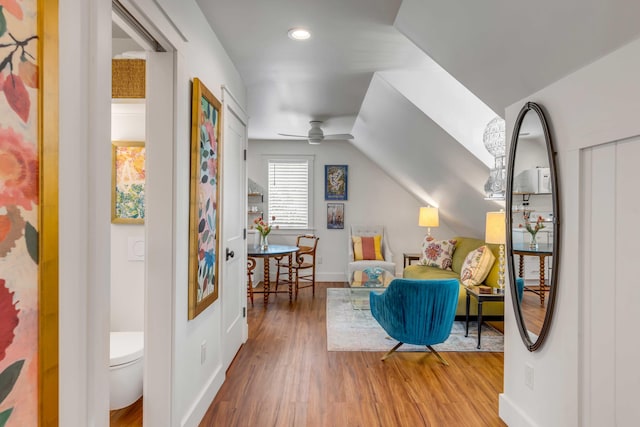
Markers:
point(298, 34)
point(315, 141)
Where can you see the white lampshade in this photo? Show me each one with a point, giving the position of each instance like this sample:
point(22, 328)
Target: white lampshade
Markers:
point(495, 231)
point(428, 217)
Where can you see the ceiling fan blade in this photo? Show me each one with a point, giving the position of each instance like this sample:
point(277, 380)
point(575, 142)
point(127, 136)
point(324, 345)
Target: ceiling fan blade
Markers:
point(294, 136)
point(339, 136)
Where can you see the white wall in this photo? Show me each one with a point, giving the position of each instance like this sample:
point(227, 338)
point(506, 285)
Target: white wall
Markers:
point(593, 106)
point(127, 276)
point(373, 198)
point(85, 57)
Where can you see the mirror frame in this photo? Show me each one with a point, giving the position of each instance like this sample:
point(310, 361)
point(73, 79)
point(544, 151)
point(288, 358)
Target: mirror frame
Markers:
point(551, 154)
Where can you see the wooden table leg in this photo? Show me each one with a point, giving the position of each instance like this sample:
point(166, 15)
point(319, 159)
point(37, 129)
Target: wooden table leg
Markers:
point(291, 278)
point(267, 284)
point(251, 265)
point(542, 284)
point(521, 266)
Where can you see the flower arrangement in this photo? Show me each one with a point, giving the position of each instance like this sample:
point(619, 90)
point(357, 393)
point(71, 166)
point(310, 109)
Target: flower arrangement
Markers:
point(535, 227)
point(263, 227)
point(532, 227)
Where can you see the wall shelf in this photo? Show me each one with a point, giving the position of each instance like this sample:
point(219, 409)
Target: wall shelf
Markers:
point(255, 200)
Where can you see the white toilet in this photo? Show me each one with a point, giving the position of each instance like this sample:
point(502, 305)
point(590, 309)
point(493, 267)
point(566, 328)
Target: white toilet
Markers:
point(125, 368)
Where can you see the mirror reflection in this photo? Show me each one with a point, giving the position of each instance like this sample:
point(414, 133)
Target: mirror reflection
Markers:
point(532, 222)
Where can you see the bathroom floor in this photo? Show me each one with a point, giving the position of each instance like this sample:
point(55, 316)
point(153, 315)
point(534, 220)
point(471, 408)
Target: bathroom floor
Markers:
point(131, 416)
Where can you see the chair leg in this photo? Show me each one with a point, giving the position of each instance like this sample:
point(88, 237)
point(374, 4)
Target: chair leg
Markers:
point(251, 265)
point(444, 362)
point(277, 273)
point(388, 353)
point(250, 286)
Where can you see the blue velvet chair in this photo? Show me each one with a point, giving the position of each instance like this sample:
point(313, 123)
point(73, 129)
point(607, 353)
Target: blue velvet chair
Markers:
point(520, 287)
point(419, 312)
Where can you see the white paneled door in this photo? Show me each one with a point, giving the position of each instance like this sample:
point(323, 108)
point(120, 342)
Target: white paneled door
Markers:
point(609, 291)
point(233, 255)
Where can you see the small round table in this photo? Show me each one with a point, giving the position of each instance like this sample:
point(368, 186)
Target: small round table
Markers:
point(275, 251)
point(541, 250)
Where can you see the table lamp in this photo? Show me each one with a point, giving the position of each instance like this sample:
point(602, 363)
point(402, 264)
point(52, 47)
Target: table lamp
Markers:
point(428, 218)
point(495, 232)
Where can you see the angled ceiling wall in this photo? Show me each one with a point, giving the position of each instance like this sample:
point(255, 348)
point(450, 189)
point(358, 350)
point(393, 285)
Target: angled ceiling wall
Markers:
point(499, 51)
point(422, 157)
point(505, 50)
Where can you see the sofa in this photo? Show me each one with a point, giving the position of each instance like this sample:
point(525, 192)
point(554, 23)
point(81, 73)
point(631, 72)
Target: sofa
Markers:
point(463, 246)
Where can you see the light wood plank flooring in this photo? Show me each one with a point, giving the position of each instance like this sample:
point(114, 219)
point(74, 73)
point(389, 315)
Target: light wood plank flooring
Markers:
point(284, 376)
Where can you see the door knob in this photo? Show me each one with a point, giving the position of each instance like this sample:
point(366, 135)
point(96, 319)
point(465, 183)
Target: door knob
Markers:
point(229, 254)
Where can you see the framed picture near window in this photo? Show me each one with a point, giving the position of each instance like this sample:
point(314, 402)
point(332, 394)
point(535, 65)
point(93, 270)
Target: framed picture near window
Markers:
point(204, 200)
point(127, 182)
point(335, 216)
point(335, 182)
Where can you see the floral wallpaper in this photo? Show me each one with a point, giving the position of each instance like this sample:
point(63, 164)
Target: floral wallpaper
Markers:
point(19, 201)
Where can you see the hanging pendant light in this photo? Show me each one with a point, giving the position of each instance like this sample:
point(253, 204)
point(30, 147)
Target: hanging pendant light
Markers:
point(494, 141)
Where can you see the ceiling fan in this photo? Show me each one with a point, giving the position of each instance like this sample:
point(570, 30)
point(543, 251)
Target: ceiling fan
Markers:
point(316, 136)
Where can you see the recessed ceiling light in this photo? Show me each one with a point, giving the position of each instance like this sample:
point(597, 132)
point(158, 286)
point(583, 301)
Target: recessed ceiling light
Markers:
point(298, 34)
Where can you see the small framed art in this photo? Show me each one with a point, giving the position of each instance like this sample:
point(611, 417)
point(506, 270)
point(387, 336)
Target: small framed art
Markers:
point(127, 182)
point(335, 216)
point(335, 182)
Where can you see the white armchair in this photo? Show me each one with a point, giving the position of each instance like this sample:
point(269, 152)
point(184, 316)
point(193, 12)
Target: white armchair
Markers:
point(369, 231)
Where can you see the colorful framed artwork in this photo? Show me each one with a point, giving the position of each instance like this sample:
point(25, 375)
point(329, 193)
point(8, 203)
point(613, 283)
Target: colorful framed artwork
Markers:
point(335, 216)
point(335, 182)
point(29, 213)
point(127, 182)
point(206, 158)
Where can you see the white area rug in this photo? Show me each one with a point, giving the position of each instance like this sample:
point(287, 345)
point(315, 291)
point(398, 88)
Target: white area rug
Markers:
point(357, 330)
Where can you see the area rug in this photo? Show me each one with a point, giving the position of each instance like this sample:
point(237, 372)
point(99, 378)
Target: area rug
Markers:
point(357, 330)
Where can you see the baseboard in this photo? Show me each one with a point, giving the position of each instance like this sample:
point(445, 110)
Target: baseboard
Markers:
point(197, 410)
point(485, 318)
point(511, 414)
point(331, 277)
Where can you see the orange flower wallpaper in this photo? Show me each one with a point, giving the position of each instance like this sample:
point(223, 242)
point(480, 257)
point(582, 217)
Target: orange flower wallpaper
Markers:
point(19, 201)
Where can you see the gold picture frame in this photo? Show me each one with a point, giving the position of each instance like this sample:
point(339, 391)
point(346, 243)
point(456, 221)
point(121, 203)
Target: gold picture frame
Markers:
point(127, 182)
point(204, 198)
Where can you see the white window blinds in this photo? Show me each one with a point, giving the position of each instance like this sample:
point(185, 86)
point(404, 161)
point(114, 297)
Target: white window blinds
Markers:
point(288, 193)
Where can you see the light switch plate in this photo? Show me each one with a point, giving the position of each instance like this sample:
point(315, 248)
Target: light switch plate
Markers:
point(135, 248)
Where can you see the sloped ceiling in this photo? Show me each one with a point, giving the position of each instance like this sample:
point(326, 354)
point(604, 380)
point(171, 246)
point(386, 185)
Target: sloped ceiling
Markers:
point(500, 51)
point(422, 157)
point(504, 51)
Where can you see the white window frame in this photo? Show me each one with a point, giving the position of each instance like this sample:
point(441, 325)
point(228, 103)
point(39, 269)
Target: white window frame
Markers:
point(266, 158)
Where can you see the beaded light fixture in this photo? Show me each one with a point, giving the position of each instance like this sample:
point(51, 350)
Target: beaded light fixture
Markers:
point(494, 141)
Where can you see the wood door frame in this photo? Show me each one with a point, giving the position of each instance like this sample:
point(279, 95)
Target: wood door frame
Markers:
point(48, 140)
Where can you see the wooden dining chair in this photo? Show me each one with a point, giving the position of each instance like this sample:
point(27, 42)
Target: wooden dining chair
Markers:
point(304, 264)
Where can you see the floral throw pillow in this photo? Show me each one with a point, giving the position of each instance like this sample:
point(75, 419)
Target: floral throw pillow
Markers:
point(437, 253)
point(476, 266)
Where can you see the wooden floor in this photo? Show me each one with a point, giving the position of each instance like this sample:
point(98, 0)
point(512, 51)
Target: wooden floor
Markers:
point(284, 376)
point(131, 416)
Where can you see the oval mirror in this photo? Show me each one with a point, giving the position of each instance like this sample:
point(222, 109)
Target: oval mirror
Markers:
point(532, 227)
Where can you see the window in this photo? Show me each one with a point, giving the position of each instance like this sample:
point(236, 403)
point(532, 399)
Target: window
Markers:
point(288, 191)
